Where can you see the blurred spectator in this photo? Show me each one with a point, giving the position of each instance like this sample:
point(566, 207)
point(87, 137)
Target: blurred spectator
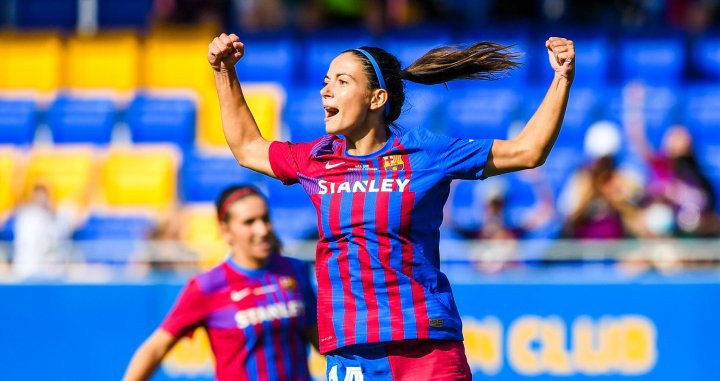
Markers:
point(599, 201)
point(318, 13)
point(39, 232)
point(165, 252)
point(677, 183)
point(192, 11)
point(262, 15)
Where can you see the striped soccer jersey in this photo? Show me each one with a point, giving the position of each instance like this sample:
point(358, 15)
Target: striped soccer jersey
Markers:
point(378, 218)
point(254, 318)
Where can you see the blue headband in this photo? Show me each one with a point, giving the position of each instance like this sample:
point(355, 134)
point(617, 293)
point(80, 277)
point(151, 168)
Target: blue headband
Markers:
point(378, 74)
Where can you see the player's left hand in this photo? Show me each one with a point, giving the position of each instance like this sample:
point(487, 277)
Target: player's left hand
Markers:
point(561, 53)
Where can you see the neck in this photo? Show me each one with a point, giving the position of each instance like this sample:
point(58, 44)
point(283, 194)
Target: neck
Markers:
point(367, 141)
point(248, 262)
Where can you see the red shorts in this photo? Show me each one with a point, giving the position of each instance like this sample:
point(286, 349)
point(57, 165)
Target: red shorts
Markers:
point(405, 360)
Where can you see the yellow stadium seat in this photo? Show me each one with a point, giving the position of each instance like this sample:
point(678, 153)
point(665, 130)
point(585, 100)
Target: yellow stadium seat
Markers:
point(67, 172)
point(139, 177)
point(7, 181)
point(177, 58)
point(266, 103)
point(30, 61)
point(201, 234)
point(109, 60)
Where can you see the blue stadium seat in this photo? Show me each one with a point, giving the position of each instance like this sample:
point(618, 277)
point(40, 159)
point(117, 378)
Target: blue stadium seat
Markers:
point(269, 59)
point(702, 115)
point(478, 112)
point(293, 215)
point(46, 13)
point(323, 46)
point(425, 107)
point(112, 239)
point(154, 118)
point(126, 13)
point(706, 56)
point(303, 114)
point(409, 45)
point(82, 120)
point(203, 176)
point(18, 118)
point(6, 229)
point(654, 60)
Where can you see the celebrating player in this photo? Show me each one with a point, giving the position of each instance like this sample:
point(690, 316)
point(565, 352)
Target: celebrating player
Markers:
point(258, 307)
point(385, 309)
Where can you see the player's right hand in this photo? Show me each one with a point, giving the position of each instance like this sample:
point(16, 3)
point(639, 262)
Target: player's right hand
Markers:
point(224, 51)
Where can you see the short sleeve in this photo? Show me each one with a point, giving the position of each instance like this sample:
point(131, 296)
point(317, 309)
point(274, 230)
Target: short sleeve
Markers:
point(308, 292)
point(189, 312)
point(283, 161)
point(463, 158)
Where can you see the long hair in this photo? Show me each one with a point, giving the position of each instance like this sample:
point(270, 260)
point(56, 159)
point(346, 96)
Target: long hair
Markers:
point(482, 60)
point(230, 195)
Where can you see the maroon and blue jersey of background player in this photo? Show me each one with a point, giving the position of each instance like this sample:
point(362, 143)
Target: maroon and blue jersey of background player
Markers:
point(255, 319)
point(379, 217)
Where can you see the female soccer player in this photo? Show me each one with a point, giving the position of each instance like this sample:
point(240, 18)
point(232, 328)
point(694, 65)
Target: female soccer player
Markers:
point(258, 307)
point(385, 309)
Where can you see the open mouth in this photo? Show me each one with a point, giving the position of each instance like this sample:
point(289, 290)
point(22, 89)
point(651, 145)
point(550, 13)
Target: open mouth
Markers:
point(330, 112)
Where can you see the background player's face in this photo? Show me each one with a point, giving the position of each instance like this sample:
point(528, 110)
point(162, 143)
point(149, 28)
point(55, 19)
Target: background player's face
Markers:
point(345, 95)
point(249, 231)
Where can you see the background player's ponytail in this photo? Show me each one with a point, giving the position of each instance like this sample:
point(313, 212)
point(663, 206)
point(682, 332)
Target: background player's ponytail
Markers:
point(482, 60)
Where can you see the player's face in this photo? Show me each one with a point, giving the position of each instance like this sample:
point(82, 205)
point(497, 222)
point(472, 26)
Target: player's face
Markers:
point(249, 231)
point(345, 95)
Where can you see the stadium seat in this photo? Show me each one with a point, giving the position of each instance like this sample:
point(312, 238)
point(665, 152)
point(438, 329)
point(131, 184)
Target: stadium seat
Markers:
point(409, 45)
point(200, 232)
point(477, 112)
point(87, 118)
point(425, 107)
point(177, 58)
point(42, 72)
point(7, 232)
point(139, 177)
point(653, 60)
point(18, 118)
point(112, 239)
point(203, 175)
point(46, 13)
point(268, 59)
point(126, 13)
point(323, 46)
point(702, 114)
point(303, 114)
point(265, 101)
point(706, 56)
point(292, 212)
point(8, 181)
point(107, 60)
point(68, 172)
point(154, 118)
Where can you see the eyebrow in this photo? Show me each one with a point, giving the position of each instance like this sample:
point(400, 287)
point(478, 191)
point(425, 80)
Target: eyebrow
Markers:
point(339, 74)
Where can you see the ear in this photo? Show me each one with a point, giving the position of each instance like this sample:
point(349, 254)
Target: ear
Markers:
point(378, 99)
point(224, 230)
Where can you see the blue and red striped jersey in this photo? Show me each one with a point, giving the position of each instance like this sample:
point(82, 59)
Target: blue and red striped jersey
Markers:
point(378, 265)
point(255, 319)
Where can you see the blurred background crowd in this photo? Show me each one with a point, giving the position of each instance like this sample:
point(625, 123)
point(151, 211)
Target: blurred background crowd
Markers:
point(111, 151)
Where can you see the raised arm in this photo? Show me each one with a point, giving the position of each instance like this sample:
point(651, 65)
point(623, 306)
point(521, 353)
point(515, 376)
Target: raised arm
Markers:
point(149, 356)
point(532, 146)
point(241, 131)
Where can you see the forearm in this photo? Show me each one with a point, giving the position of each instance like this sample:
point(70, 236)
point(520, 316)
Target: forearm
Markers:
point(541, 131)
point(143, 364)
point(238, 123)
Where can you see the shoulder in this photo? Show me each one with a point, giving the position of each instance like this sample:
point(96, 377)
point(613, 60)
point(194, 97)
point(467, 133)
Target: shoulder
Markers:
point(212, 280)
point(324, 145)
point(294, 265)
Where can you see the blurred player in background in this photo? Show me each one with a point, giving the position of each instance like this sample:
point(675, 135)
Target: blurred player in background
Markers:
point(258, 307)
point(385, 309)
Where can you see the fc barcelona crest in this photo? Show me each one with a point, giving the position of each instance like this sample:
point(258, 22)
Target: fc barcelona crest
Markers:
point(393, 163)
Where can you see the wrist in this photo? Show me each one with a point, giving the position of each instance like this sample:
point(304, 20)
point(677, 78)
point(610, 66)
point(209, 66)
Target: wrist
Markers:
point(567, 78)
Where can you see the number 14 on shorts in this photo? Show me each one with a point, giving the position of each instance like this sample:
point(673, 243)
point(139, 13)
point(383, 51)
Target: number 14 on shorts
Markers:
point(352, 373)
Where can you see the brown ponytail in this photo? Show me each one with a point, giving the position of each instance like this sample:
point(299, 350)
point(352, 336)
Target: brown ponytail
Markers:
point(482, 60)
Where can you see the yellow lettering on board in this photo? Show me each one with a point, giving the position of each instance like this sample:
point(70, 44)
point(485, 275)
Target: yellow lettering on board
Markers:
point(483, 344)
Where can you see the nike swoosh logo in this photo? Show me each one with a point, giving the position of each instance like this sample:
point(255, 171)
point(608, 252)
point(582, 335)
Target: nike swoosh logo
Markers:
point(331, 166)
